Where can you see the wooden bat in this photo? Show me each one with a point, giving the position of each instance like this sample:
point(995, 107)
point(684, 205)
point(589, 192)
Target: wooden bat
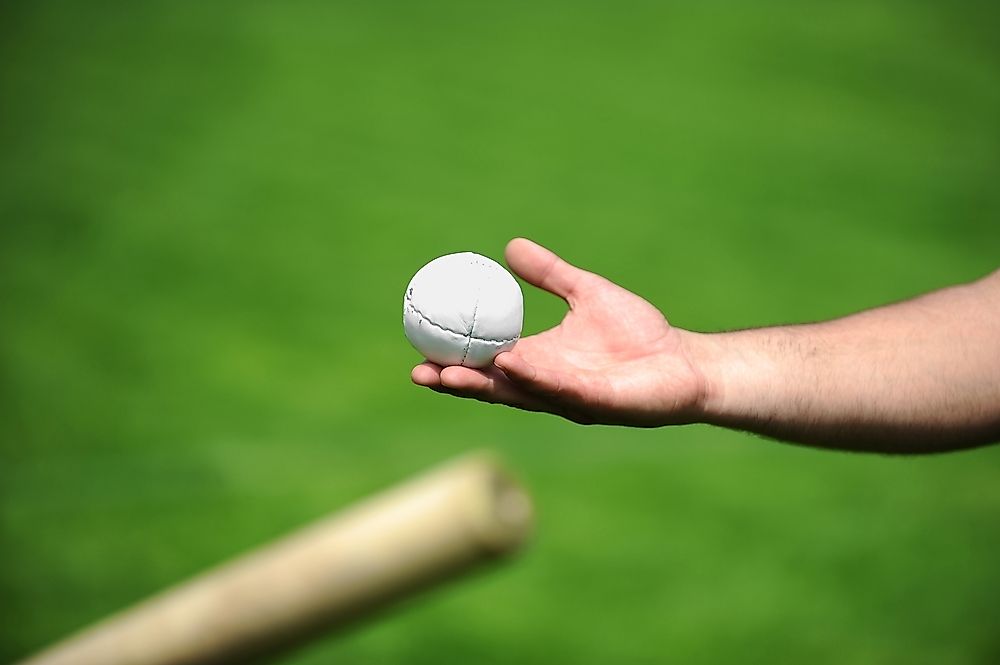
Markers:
point(330, 574)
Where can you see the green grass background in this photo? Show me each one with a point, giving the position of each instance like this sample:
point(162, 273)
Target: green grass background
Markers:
point(208, 214)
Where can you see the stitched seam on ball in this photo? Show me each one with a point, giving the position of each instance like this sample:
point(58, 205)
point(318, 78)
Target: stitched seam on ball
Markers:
point(488, 340)
point(472, 328)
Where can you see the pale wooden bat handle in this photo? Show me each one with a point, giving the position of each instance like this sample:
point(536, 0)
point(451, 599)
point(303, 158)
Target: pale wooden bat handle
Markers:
point(327, 575)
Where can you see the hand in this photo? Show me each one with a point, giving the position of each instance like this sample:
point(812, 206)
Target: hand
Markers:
point(613, 359)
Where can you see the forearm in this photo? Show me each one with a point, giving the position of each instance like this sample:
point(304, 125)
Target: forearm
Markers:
point(918, 376)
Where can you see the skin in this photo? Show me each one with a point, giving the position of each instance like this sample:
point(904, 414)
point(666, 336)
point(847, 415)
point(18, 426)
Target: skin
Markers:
point(917, 376)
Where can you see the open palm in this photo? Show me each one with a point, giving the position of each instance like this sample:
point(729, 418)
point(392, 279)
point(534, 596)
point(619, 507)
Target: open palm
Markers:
point(613, 359)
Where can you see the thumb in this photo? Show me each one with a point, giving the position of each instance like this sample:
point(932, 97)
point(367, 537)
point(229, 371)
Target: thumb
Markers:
point(543, 268)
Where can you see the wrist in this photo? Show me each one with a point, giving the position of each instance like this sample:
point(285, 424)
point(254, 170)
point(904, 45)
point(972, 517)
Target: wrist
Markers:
point(737, 373)
point(705, 354)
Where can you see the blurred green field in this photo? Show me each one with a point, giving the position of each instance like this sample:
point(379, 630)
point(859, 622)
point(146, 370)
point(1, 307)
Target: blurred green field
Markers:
point(208, 214)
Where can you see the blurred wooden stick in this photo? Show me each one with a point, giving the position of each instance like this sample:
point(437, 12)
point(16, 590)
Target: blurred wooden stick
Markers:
point(329, 574)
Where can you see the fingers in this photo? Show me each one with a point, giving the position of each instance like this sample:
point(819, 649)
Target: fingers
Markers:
point(465, 379)
point(486, 386)
point(544, 269)
point(545, 383)
point(513, 382)
point(426, 374)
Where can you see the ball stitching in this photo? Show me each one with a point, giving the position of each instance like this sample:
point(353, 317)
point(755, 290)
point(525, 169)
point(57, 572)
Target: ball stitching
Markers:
point(424, 317)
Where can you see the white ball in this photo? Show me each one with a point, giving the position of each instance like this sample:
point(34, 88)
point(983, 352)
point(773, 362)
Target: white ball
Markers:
point(463, 309)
